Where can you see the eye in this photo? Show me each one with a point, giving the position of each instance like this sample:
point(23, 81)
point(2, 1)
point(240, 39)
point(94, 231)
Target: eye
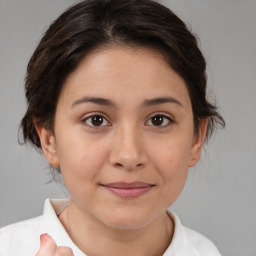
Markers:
point(96, 121)
point(159, 120)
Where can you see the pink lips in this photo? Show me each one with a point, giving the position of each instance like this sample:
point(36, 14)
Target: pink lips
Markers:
point(128, 190)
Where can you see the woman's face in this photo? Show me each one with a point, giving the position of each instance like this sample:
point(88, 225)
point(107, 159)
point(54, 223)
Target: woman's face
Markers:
point(124, 136)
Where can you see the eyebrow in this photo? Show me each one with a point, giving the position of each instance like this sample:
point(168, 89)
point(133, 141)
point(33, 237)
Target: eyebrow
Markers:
point(95, 100)
point(107, 102)
point(161, 100)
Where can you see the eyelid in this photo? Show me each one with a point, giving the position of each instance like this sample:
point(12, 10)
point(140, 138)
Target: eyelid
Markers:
point(90, 115)
point(165, 115)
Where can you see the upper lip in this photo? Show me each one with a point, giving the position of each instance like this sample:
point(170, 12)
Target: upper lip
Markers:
point(127, 185)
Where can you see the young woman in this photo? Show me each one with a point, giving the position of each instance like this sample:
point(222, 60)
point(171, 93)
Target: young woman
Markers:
point(116, 93)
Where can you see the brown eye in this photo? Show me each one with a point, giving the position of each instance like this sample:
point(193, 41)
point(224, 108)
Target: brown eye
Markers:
point(96, 121)
point(159, 120)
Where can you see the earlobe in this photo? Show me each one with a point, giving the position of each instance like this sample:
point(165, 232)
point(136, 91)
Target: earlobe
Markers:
point(48, 144)
point(198, 143)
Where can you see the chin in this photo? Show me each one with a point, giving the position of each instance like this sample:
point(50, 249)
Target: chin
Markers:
point(127, 220)
point(127, 225)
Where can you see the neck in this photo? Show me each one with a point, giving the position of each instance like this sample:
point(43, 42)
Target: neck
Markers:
point(95, 238)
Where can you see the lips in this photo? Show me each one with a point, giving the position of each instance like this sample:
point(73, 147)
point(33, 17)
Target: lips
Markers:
point(128, 190)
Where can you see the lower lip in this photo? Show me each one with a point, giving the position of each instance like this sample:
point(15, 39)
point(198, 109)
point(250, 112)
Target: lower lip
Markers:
point(128, 192)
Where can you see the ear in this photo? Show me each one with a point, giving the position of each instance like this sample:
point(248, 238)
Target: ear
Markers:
point(198, 143)
point(48, 144)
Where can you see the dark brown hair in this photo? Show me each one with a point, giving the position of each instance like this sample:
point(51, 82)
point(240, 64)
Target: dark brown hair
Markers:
point(96, 23)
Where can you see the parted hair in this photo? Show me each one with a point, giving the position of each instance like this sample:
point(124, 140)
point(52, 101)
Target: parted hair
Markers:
point(92, 24)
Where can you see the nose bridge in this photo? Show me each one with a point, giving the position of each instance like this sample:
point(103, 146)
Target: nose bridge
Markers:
point(128, 149)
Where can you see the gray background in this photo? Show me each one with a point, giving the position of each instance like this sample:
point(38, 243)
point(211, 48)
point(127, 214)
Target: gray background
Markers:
point(219, 198)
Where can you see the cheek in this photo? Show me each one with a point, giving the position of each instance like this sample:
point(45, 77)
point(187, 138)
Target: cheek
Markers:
point(171, 155)
point(80, 160)
point(173, 167)
point(80, 174)
point(171, 161)
point(173, 171)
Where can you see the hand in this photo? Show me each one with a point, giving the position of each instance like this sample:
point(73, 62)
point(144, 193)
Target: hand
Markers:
point(48, 247)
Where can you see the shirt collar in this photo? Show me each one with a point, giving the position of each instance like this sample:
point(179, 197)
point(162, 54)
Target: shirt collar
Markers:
point(53, 207)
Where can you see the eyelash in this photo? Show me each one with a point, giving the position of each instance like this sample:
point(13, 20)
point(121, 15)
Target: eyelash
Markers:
point(165, 118)
point(84, 120)
point(104, 119)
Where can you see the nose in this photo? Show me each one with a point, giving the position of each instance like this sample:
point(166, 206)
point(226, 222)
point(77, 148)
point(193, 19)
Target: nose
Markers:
point(128, 152)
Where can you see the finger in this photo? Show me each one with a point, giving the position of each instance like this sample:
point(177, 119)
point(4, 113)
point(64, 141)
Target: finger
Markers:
point(64, 251)
point(48, 246)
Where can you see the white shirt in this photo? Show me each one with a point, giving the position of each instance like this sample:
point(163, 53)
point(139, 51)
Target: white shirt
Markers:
point(22, 239)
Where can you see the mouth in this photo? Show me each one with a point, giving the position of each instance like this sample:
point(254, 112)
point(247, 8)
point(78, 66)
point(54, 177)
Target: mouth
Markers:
point(128, 190)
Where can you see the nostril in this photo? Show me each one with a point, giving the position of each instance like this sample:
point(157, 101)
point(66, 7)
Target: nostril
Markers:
point(119, 165)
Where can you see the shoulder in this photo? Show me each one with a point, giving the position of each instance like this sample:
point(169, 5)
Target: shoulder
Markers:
point(25, 234)
point(200, 243)
point(23, 238)
point(188, 242)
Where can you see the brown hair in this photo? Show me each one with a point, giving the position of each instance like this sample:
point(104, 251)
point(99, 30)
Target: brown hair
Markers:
point(92, 24)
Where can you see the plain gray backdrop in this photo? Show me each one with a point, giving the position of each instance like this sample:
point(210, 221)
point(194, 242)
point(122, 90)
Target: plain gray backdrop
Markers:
point(219, 197)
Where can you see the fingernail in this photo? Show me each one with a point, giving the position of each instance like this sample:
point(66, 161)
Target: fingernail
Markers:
point(44, 238)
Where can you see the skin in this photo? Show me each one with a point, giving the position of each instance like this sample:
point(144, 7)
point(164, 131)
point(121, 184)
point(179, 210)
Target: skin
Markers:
point(128, 146)
point(48, 247)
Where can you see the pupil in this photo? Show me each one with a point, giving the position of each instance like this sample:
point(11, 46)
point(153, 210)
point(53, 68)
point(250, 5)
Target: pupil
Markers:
point(157, 120)
point(97, 120)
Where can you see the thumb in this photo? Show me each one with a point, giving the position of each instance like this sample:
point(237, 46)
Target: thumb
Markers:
point(48, 246)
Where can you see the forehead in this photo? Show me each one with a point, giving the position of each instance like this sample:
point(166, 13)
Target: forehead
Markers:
point(120, 73)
